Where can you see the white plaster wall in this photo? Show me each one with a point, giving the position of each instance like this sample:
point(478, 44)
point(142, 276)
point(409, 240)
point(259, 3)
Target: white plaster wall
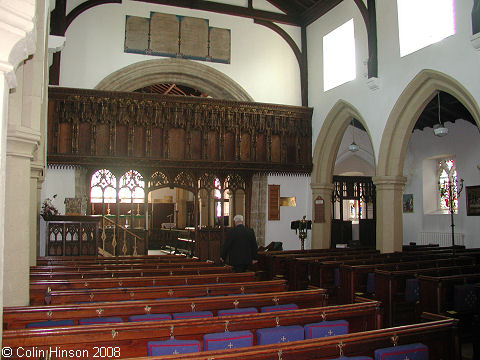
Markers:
point(463, 142)
point(261, 61)
point(454, 56)
point(299, 187)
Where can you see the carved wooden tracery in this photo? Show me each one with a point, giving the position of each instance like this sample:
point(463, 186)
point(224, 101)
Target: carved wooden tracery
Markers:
point(92, 127)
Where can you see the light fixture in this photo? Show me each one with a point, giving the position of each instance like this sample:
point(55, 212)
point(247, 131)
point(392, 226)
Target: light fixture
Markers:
point(438, 129)
point(353, 147)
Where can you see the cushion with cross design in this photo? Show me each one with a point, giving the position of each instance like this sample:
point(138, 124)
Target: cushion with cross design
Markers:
point(99, 320)
point(227, 340)
point(150, 317)
point(417, 351)
point(326, 328)
point(240, 311)
point(172, 346)
point(280, 334)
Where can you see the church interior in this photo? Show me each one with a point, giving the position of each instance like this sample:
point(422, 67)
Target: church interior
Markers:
point(344, 132)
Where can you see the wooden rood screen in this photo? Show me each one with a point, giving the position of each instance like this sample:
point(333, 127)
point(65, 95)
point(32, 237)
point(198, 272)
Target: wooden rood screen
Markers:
point(92, 127)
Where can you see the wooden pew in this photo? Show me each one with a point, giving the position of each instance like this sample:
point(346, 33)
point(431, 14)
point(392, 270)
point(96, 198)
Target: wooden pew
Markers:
point(53, 260)
point(353, 274)
point(130, 338)
point(390, 290)
point(437, 332)
point(18, 317)
point(130, 266)
point(38, 288)
point(165, 292)
point(88, 274)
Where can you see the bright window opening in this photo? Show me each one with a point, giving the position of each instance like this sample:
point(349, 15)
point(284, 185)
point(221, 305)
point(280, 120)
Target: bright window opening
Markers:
point(339, 64)
point(424, 22)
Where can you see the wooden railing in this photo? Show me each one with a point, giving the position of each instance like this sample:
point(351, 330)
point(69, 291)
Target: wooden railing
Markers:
point(118, 240)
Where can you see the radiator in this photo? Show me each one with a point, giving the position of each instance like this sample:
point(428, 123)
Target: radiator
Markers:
point(440, 238)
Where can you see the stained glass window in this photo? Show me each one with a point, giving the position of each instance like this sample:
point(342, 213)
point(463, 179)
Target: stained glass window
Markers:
point(447, 183)
point(131, 187)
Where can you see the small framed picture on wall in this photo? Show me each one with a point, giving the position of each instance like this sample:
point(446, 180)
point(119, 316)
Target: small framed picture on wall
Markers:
point(408, 203)
point(473, 200)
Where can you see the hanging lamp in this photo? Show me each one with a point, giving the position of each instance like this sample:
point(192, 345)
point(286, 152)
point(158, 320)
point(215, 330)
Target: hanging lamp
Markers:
point(438, 129)
point(353, 147)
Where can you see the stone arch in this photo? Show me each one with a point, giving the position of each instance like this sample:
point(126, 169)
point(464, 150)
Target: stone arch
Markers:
point(324, 155)
point(393, 147)
point(178, 71)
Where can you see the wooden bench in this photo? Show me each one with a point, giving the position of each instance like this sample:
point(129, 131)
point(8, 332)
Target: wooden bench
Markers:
point(53, 260)
point(390, 289)
point(437, 332)
point(130, 338)
point(158, 292)
point(130, 266)
point(88, 274)
point(38, 288)
point(18, 317)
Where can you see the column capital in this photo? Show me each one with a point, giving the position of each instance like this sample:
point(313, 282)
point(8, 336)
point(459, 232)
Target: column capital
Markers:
point(17, 31)
point(320, 187)
point(389, 182)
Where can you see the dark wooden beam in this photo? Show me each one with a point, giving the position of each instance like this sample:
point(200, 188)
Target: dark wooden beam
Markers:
point(317, 11)
point(229, 10)
point(476, 17)
point(301, 59)
point(286, 6)
point(369, 15)
point(72, 15)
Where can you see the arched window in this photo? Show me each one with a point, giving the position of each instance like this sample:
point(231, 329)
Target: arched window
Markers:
point(103, 186)
point(131, 187)
point(447, 185)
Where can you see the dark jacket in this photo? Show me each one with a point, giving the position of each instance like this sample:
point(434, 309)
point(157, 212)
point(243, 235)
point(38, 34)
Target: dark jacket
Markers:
point(240, 245)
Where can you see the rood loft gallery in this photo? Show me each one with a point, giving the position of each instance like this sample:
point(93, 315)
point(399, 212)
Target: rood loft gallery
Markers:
point(150, 124)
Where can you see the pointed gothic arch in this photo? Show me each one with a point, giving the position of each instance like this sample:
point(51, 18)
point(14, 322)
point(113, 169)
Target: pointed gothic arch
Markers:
point(178, 71)
point(393, 147)
point(324, 155)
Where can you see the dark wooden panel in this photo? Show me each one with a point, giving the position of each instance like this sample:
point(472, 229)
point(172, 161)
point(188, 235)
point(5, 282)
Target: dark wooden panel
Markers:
point(212, 146)
point(229, 147)
point(157, 143)
point(52, 135)
point(261, 155)
point(276, 149)
point(139, 142)
point(121, 140)
point(102, 139)
point(176, 144)
point(245, 147)
point(64, 138)
point(291, 150)
point(196, 145)
point(84, 139)
point(273, 202)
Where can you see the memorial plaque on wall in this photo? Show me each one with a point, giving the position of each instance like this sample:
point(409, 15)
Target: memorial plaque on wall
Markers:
point(219, 45)
point(273, 202)
point(164, 34)
point(194, 37)
point(319, 210)
point(136, 34)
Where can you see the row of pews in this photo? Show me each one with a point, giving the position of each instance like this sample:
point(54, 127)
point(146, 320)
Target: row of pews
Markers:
point(116, 308)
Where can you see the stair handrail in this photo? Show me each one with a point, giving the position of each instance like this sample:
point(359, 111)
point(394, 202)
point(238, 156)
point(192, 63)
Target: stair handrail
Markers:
point(114, 241)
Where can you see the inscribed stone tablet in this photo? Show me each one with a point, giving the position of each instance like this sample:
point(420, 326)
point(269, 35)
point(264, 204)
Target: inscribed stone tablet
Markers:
point(164, 33)
point(194, 38)
point(220, 44)
point(136, 34)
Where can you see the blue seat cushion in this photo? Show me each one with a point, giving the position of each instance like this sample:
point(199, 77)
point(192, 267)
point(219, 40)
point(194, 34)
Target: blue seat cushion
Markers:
point(150, 317)
point(415, 351)
point(242, 311)
point(227, 340)
point(280, 334)
point(411, 290)
point(326, 328)
point(192, 315)
point(98, 320)
point(172, 346)
point(353, 358)
point(50, 323)
point(464, 298)
point(284, 307)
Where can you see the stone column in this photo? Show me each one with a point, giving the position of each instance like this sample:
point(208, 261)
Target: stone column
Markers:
point(321, 232)
point(389, 212)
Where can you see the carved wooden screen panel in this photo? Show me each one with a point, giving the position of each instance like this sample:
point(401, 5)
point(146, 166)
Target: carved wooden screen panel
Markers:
point(88, 239)
point(245, 147)
point(229, 147)
point(196, 145)
point(176, 144)
point(276, 149)
point(64, 138)
point(260, 148)
point(85, 136)
point(121, 140)
point(55, 239)
point(156, 146)
point(102, 139)
point(139, 142)
point(291, 150)
point(72, 239)
point(212, 146)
